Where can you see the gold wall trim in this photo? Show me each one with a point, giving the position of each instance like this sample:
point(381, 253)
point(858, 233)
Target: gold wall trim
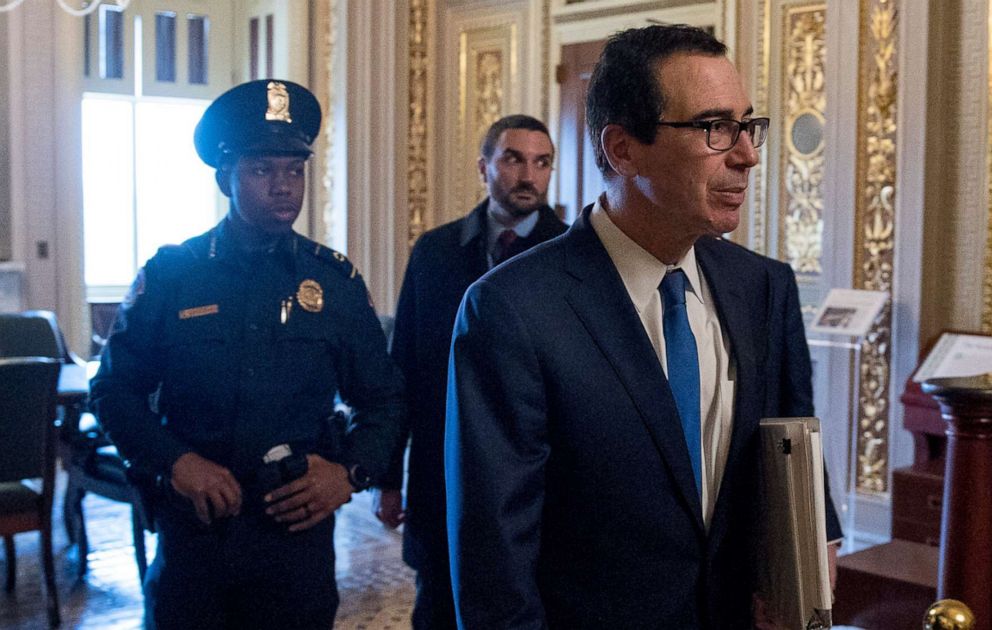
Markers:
point(488, 90)
point(418, 189)
point(875, 229)
point(328, 212)
point(546, 60)
point(987, 278)
point(488, 70)
point(758, 233)
point(802, 129)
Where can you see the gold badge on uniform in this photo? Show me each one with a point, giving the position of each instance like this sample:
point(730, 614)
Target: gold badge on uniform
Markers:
point(278, 98)
point(310, 296)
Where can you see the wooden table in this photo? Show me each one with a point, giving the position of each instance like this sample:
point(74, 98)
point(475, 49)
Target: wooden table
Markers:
point(886, 587)
point(74, 382)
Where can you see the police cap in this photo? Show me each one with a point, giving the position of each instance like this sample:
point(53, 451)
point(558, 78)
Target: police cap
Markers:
point(258, 117)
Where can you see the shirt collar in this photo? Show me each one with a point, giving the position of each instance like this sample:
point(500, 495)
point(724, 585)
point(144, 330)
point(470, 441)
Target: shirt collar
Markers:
point(229, 240)
point(640, 271)
point(523, 228)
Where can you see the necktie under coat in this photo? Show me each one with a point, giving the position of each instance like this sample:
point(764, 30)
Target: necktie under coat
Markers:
point(683, 365)
point(504, 244)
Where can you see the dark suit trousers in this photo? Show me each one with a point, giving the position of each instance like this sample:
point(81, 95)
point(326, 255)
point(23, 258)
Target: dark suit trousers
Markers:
point(434, 608)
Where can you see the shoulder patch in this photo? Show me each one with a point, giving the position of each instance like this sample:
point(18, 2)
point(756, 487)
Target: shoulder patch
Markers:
point(137, 288)
point(338, 260)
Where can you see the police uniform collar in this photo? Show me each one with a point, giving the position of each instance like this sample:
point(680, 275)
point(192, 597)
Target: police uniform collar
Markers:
point(232, 237)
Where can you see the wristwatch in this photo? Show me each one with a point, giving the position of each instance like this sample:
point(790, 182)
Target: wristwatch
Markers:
point(359, 478)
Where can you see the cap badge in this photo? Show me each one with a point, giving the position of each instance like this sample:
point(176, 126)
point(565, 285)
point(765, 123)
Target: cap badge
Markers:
point(278, 98)
point(310, 296)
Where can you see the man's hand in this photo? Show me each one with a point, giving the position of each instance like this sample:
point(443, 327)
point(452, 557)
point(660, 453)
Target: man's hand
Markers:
point(387, 505)
point(306, 501)
point(214, 491)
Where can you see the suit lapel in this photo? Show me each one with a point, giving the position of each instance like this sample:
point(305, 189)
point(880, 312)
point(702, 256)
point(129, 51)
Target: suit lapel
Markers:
point(739, 293)
point(472, 240)
point(602, 304)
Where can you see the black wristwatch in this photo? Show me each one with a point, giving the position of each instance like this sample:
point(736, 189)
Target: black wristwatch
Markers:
point(359, 478)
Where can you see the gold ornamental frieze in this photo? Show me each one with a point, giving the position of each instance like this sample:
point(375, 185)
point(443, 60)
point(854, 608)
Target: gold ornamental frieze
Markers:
point(488, 96)
point(757, 230)
point(546, 60)
point(487, 72)
point(987, 275)
point(987, 278)
point(328, 26)
point(417, 151)
point(875, 230)
point(804, 96)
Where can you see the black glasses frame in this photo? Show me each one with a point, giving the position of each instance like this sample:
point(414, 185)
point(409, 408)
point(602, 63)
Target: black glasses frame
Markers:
point(751, 126)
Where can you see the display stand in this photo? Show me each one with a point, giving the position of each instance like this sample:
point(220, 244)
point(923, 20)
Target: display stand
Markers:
point(845, 317)
point(849, 509)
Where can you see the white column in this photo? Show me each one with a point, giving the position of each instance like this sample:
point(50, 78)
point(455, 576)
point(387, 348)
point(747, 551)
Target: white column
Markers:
point(44, 63)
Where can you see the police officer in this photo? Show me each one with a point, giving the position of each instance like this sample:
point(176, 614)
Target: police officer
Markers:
point(220, 379)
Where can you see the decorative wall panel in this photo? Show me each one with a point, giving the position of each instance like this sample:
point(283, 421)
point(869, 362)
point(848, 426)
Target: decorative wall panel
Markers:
point(802, 132)
point(546, 60)
point(758, 233)
point(418, 191)
point(488, 90)
point(329, 217)
point(987, 276)
point(875, 229)
point(487, 67)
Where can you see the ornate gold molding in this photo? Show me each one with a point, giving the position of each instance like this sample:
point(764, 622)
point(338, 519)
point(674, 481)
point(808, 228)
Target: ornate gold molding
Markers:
point(330, 31)
point(804, 95)
point(987, 278)
point(417, 159)
point(487, 71)
point(488, 90)
point(546, 61)
point(758, 236)
point(875, 229)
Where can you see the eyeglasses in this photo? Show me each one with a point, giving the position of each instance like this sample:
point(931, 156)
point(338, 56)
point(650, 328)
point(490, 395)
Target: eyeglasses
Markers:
point(722, 134)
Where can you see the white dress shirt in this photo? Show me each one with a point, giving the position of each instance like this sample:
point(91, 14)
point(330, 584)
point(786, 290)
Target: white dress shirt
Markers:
point(523, 228)
point(642, 274)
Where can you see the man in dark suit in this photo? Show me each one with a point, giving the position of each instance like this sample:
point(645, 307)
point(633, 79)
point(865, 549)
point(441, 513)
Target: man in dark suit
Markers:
point(515, 163)
point(605, 388)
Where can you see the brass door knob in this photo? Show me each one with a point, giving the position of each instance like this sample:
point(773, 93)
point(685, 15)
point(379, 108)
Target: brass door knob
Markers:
point(948, 614)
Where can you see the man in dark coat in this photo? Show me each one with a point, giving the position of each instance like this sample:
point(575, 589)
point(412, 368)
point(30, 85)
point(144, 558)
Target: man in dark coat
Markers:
point(220, 377)
point(606, 387)
point(515, 163)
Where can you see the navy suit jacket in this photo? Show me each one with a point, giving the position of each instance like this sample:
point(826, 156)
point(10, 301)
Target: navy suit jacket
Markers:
point(571, 500)
point(443, 263)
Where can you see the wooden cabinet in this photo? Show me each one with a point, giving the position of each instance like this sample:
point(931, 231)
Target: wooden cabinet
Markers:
point(918, 490)
point(917, 497)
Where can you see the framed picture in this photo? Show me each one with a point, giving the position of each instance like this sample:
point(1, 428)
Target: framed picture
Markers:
point(848, 312)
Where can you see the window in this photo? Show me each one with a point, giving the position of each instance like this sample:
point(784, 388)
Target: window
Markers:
point(149, 73)
point(143, 185)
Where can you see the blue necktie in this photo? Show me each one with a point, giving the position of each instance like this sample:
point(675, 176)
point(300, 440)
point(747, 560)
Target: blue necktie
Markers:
point(683, 365)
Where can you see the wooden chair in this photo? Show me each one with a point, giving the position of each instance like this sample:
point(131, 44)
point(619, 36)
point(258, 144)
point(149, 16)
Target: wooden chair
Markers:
point(30, 334)
point(90, 460)
point(28, 391)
